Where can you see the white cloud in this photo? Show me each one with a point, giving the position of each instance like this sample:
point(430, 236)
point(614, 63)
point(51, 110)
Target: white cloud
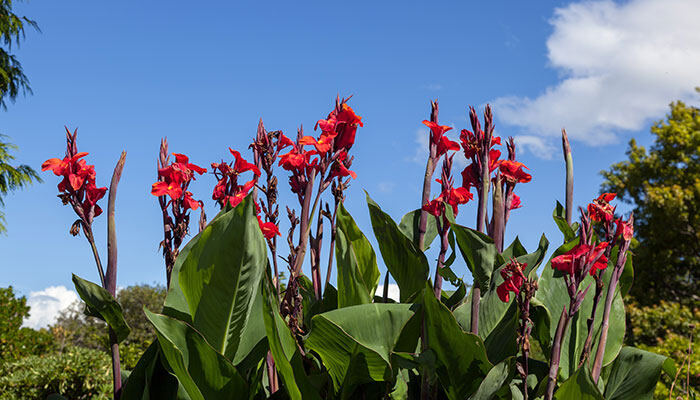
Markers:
point(536, 145)
point(393, 291)
point(422, 137)
point(46, 304)
point(620, 66)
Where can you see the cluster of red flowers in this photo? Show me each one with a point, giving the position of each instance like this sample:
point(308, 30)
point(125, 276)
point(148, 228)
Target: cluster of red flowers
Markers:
point(78, 186)
point(174, 179)
point(228, 191)
point(584, 255)
point(330, 148)
point(513, 277)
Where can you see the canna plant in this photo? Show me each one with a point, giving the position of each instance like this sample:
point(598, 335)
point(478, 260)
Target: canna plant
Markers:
point(231, 329)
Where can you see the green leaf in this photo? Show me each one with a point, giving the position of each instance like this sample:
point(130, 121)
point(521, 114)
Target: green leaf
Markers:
point(579, 386)
point(203, 372)
point(479, 253)
point(220, 276)
point(102, 305)
point(358, 274)
point(552, 293)
point(516, 249)
point(496, 383)
point(149, 379)
point(559, 216)
point(410, 224)
point(403, 259)
point(284, 349)
point(461, 357)
point(356, 343)
point(501, 342)
point(634, 374)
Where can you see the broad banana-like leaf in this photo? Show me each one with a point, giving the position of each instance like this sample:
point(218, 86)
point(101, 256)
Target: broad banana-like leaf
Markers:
point(634, 374)
point(358, 274)
point(461, 357)
point(202, 371)
point(356, 343)
point(101, 304)
point(404, 260)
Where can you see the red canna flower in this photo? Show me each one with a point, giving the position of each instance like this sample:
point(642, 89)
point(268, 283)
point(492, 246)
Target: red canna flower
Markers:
point(444, 145)
point(436, 131)
point(516, 202)
point(513, 172)
point(241, 165)
point(78, 186)
point(575, 259)
point(602, 262)
point(513, 279)
point(294, 160)
point(624, 228)
point(346, 126)
point(322, 145)
point(600, 209)
point(269, 229)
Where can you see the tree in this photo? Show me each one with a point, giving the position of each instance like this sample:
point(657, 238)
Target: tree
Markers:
point(17, 342)
point(74, 328)
point(663, 184)
point(12, 83)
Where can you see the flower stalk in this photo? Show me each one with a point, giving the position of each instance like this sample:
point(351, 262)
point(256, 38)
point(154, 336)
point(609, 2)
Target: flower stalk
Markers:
point(625, 239)
point(111, 278)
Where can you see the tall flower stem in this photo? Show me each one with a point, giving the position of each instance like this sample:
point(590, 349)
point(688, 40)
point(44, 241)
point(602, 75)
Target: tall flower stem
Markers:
point(556, 352)
point(427, 179)
point(569, 175)
point(612, 287)
point(485, 181)
point(444, 244)
point(331, 251)
point(87, 229)
point(111, 278)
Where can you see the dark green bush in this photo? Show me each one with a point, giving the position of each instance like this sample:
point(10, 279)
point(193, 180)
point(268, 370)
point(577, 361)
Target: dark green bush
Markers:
point(666, 329)
point(76, 374)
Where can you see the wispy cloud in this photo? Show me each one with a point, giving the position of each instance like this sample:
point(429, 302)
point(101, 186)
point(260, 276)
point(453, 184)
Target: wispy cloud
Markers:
point(46, 304)
point(535, 145)
point(620, 65)
point(432, 87)
point(386, 187)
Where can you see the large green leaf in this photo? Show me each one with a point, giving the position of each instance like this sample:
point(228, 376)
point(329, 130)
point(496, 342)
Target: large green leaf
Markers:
point(149, 380)
point(101, 304)
point(203, 372)
point(479, 253)
point(497, 381)
point(220, 276)
point(579, 386)
point(554, 296)
point(358, 274)
point(410, 224)
point(634, 374)
point(403, 259)
point(284, 350)
point(356, 343)
point(461, 357)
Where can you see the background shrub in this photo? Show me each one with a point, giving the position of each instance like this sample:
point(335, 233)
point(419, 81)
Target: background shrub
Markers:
point(76, 373)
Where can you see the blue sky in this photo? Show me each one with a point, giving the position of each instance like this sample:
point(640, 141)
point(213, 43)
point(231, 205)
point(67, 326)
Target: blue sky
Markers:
point(128, 73)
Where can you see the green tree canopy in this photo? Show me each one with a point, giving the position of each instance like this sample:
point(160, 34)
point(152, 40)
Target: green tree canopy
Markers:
point(12, 83)
point(663, 184)
point(12, 78)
